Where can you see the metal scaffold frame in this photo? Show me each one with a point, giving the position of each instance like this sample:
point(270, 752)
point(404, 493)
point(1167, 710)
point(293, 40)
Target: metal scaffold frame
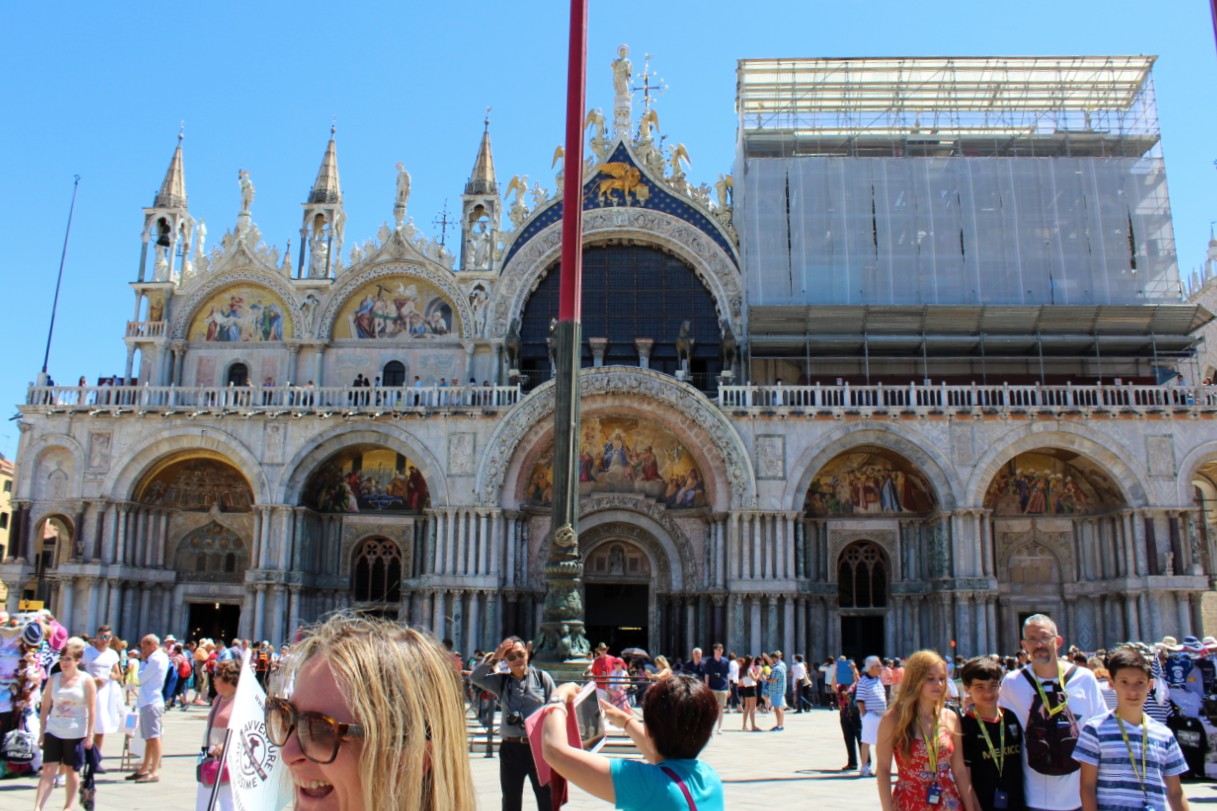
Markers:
point(1081, 106)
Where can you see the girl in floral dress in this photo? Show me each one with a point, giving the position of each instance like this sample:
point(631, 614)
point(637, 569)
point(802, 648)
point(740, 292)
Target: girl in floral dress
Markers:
point(924, 738)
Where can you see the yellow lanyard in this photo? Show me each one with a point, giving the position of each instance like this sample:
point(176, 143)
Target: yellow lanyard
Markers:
point(1132, 761)
point(1044, 696)
point(931, 745)
point(999, 757)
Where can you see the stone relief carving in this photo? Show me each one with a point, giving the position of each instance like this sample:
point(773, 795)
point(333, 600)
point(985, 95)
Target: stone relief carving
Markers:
point(99, 451)
point(1011, 545)
point(461, 460)
point(691, 410)
point(771, 456)
point(717, 270)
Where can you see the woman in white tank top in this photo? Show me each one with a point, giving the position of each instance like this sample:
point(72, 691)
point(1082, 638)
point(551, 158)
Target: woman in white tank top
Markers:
point(68, 709)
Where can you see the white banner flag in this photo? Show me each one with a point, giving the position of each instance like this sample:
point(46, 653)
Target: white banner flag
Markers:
point(256, 769)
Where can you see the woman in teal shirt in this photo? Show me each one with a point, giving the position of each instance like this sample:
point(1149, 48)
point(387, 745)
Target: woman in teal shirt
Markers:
point(678, 717)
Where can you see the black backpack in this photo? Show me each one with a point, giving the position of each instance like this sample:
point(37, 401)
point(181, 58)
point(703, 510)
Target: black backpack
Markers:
point(1050, 738)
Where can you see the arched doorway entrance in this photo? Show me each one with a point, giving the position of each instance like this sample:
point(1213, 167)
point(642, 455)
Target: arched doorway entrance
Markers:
point(863, 584)
point(617, 595)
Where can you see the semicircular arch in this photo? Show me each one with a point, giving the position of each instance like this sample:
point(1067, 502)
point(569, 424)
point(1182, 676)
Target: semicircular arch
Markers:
point(918, 450)
point(351, 284)
point(302, 466)
point(716, 269)
point(122, 482)
point(605, 518)
point(1190, 466)
point(685, 410)
point(185, 315)
point(1125, 475)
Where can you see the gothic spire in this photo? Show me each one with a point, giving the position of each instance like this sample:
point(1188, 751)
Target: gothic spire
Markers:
point(482, 180)
point(173, 188)
point(326, 188)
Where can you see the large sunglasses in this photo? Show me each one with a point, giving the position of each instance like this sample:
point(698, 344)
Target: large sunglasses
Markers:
point(319, 735)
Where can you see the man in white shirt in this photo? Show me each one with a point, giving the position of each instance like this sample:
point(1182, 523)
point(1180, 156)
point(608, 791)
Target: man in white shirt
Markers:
point(733, 680)
point(151, 707)
point(798, 672)
point(1044, 791)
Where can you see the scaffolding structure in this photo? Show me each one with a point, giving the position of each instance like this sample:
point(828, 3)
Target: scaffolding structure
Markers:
point(1081, 106)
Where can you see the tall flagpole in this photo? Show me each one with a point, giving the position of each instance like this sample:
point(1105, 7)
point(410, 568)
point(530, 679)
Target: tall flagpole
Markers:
point(59, 281)
point(562, 629)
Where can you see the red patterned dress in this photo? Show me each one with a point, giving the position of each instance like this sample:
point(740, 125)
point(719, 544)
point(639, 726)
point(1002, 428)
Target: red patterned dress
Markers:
point(914, 778)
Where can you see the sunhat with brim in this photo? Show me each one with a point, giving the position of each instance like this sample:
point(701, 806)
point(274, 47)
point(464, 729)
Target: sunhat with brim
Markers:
point(1193, 645)
point(58, 636)
point(1170, 643)
point(1210, 643)
point(32, 634)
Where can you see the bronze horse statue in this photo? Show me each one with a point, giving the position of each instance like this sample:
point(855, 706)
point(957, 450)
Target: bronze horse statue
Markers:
point(511, 345)
point(729, 346)
point(684, 345)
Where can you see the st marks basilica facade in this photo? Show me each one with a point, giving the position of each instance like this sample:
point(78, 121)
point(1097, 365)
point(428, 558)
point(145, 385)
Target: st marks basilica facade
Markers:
point(762, 462)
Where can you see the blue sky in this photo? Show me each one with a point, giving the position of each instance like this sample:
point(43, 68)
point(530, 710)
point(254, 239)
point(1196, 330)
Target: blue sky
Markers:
point(99, 89)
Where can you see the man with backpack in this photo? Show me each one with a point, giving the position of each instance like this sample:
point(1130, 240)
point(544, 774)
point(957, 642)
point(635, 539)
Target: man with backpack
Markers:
point(1052, 699)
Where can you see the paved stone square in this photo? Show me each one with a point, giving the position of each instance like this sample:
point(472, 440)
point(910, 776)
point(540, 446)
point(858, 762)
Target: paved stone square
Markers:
point(762, 772)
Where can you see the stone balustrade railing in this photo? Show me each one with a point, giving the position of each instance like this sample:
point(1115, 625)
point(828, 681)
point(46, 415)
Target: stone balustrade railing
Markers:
point(145, 329)
point(820, 398)
point(255, 399)
point(998, 398)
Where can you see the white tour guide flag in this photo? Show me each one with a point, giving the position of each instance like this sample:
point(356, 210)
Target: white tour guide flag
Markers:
point(258, 776)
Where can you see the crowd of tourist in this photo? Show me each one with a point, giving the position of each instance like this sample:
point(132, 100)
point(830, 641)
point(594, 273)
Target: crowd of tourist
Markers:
point(370, 714)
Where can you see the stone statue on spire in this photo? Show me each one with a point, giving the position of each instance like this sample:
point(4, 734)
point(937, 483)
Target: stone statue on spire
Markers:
point(403, 196)
point(247, 190)
point(623, 71)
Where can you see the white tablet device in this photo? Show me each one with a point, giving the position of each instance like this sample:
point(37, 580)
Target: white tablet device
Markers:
point(590, 718)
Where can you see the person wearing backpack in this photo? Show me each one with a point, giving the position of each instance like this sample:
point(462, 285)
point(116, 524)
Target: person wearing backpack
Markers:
point(521, 690)
point(1052, 700)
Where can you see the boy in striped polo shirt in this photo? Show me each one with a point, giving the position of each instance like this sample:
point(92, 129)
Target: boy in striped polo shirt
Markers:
point(1129, 760)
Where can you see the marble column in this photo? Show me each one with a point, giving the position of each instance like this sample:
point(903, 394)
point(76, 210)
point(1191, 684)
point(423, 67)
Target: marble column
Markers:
point(493, 631)
point(1184, 610)
point(438, 626)
point(771, 622)
point(644, 351)
point(788, 628)
point(598, 346)
point(803, 639)
point(113, 617)
point(259, 622)
point(755, 643)
point(145, 620)
point(473, 638)
point(457, 632)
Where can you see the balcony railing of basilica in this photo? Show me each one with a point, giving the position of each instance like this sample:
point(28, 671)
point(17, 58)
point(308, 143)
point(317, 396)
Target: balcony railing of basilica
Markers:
point(146, 329)
point(270, 400)
point(1000, 398)
point(827, 399)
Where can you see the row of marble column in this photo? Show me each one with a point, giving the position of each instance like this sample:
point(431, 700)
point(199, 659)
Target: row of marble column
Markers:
point(759, 545)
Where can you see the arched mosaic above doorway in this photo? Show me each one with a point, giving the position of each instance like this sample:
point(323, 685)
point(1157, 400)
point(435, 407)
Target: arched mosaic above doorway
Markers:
point(625, 454)
point(1051, 481)
point(196, 484)
point(367, 478)
point(869, 481)
point(395, 308)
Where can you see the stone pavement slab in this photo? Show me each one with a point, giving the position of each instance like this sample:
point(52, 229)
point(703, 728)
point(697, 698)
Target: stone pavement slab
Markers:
point(761, 771)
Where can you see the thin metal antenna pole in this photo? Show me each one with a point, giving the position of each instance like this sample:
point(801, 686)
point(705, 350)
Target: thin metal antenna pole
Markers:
point(59, 281)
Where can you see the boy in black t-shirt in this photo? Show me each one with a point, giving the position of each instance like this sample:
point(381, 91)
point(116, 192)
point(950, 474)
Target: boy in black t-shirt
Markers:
point(992, 740)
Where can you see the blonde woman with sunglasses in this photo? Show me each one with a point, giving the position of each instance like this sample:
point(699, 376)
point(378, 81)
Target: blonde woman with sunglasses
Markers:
point(375, 721)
